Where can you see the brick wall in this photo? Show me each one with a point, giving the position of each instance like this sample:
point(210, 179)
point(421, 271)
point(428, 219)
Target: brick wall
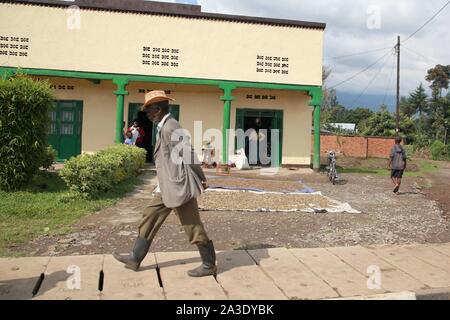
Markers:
point(357, 147)
point(380, 147)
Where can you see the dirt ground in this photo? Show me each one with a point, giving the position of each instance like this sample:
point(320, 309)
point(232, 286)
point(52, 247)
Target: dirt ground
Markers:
point(440, 188)
point(418, 215)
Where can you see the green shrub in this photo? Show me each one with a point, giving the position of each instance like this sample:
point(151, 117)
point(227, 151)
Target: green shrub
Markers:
point(48, 157)
point(24, 122)
point(421, 141)
point(410, 151)
point(92, 175)
point(439, 151)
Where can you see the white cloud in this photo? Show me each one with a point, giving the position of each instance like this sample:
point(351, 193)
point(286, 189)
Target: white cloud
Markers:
point(347, 33)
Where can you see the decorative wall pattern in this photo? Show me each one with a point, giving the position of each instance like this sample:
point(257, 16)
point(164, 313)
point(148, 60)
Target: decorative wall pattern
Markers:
point(161, 57)
point(14, 46)
point(272, 64)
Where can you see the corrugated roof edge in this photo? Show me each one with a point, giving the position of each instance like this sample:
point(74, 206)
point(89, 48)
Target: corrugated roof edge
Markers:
point(164, 8)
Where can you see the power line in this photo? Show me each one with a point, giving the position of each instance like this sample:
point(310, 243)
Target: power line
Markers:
point(360, 72)
point(426, 23)
point(419, 54)
point(371, 81)
point(359, 53)
point(389, 84)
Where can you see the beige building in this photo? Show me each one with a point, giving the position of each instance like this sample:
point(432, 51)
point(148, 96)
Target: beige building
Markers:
point(225, 72)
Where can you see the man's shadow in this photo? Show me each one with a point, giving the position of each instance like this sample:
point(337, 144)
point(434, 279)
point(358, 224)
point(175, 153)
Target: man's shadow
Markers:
point(28, 288)
point(226, 260)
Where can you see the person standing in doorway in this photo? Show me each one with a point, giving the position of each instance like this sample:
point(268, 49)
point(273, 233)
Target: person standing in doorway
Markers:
point(138, 134)
point(129, 139)
point(397, 163)
point(180, 183)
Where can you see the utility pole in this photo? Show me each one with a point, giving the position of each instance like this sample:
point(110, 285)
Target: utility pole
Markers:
point(398, 86)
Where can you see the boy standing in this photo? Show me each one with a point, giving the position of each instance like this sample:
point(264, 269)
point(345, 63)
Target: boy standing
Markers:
point(397, 163)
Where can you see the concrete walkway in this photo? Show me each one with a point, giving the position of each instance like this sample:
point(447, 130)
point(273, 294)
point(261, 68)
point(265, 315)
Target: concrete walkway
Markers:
point(401, 272)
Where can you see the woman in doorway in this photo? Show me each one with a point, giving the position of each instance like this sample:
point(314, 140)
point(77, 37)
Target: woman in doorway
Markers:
point(138, 134)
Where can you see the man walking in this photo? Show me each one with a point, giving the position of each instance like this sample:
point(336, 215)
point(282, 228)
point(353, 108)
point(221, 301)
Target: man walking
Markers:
point(397, 163)
point(180, 183)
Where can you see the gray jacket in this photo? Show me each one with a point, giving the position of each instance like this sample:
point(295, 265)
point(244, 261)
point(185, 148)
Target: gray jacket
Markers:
point(179, 180)
point(398, 157)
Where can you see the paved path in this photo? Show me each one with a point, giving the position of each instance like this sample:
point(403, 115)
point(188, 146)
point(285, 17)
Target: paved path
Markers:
point(405, 272)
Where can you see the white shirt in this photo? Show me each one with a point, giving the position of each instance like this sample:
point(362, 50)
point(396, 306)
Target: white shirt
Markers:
point(158, 130)
point(135, 134)
point(160, 124)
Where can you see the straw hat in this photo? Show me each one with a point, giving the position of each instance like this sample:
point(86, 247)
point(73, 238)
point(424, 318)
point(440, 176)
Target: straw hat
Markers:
point(155, 97)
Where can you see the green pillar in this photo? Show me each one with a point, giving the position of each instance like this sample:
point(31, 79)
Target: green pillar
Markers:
point(316, 102)
point(227, 98)
point(121, 92)
point(316, 164)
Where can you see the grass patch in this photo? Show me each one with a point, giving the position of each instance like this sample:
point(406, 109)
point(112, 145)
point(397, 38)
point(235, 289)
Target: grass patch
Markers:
point(47, 206)
point(379, 172)
point(416, 168)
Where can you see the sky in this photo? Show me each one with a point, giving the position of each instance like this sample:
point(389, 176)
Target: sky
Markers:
point(355, 26)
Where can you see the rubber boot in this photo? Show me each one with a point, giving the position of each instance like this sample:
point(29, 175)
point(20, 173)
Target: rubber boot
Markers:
point(133, 261)
point(208, 267)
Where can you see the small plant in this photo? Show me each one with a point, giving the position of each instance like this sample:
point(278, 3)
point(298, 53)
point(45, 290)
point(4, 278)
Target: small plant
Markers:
point(92, 175)
point(49, 157)
point(439, 151)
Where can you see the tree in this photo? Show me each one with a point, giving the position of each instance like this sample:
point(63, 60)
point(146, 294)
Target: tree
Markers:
point(329, 97)
point(439, 77)
point(440, 118)
point(358, 115)
point(407, 108)
point(338, 114)
point(381, 123)
point(419, 101)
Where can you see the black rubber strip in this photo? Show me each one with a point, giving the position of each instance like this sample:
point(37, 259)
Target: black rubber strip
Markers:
point(101, 280)
point(159, 277)
point(38, 284)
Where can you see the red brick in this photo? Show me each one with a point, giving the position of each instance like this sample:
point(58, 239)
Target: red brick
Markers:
point(357, 147)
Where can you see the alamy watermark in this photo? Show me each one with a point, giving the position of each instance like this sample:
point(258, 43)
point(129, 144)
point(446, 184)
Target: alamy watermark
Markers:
point(74, 18)
point(259, 147)
point(74, 281)
point(374, 280)
point(373, 17)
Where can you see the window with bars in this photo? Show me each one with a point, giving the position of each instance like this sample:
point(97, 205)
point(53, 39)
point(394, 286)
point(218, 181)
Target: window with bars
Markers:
point(67, 116)
point(67, 129)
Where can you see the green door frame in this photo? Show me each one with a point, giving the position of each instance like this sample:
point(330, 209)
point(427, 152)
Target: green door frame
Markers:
point(55, 139)
point(278, 118)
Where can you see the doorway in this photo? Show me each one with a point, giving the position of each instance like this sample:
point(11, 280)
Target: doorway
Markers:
point(66, 128)
point(149, 129)
point(258, 120)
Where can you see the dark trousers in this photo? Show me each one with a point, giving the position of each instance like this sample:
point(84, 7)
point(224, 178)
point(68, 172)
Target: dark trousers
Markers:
point(156, 213)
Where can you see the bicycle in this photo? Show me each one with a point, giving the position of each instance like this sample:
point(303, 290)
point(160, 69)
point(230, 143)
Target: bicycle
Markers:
point(332, 172)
